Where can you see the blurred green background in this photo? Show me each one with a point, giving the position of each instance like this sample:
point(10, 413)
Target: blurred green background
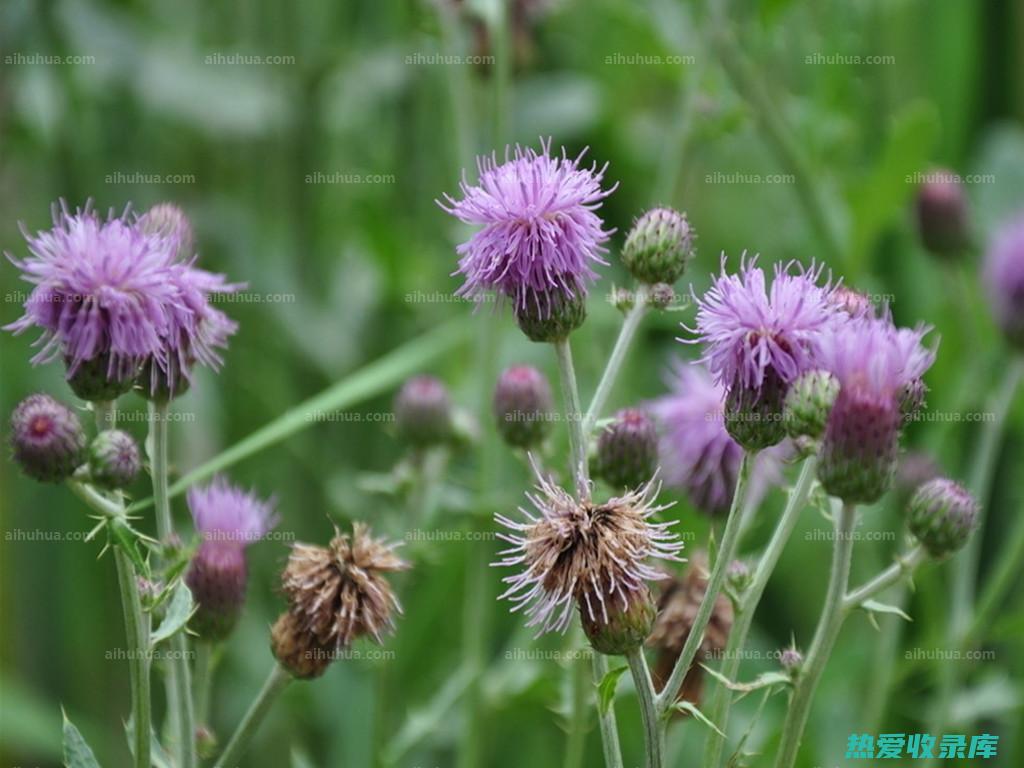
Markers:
point(309, 141)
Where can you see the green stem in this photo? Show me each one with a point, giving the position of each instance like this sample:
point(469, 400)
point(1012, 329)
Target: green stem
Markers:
point(137, 633)
point(577, 739)
point(202, 680)
point(903, 566)
point(825, 635)
point(653, 734)
point(606, 720)
point(573, 416)
point(179, 684)
point(611, 371)
point(277, 681)
point(722, 703)
point(726, 552)
point(106, 415)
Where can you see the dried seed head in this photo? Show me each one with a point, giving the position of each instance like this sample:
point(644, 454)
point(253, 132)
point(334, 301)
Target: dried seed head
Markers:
point(338, 593)
point(677, 609)
point(297, 650)
point(581, 553)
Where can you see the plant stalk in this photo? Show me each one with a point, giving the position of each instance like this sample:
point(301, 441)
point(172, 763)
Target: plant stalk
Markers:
point(276, 682)
point(653, 733)
point(611, 371)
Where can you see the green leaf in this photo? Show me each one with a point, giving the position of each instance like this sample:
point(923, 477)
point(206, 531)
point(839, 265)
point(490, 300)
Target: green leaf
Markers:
point(691, 709)
point(606, 689)
point(361, 385)
point(77, 753)
point(873, 606)
point(179, 611)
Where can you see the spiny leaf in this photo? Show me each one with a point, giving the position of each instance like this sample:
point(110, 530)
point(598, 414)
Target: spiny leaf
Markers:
point(873, 607)
point(606, 689)
point(764, 680)
point(77, 752)
point(179, 611)
point(691, 709)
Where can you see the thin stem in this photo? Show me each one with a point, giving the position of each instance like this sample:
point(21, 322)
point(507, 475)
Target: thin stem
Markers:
point(611, 371)
point(825, 635)
point(726, 551)
point(577, 739)
point(137, 633)
point(106, 415)
point(745, 611)
point(277, 681)
point(653, 736)
point(179, 684)
point(202, 680)
point(606, 720)
point(573, 415)
point(904, 565)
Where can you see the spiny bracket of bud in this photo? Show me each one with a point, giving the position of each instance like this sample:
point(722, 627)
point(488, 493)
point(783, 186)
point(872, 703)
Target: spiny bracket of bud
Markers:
point(808, 404)
point(941, 515)
point(627, 450)
point(423, 412)
point(659, 246)
point(523, 406)
point(114, 459)
point(47, 439)
point(336, 595)
point(552, 315)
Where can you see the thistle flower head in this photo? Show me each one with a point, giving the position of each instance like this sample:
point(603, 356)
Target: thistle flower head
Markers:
point(752, 332)
point(1004, 279)
point(522, 406)
point(114, 459)
point(228, 519)
point(103, 291)
point(47, 438)
point(941, 515)
point(539, 229)
point(698, 455)
point(580, 553)
point(339, 592)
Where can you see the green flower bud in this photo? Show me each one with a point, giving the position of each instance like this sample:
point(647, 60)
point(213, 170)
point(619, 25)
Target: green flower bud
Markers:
point(659, 246)
point(941, 515)
point(808, 404)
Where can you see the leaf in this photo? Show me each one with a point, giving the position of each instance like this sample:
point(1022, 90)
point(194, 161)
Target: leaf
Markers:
point(764, 680)
point(691, 709)
point(77, 752)
point(364, 383)
point(873, 606)
point(179, 611)
point(125, 538)
point(606, 689)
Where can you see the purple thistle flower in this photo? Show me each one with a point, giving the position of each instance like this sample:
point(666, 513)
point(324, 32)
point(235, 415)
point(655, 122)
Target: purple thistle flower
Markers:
point(875, 363)
point(1004, 279)
point(751, 331)
point(102, 288)
point(579, 553)
point(228, 519)
point(540, 232)
point(698, 455)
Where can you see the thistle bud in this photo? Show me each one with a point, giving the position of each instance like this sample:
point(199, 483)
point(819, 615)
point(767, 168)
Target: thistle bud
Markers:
point(941, 515)
point(97, 381)
point(114, 459)
point(622, 625)
point(168, 221)
point(661, 295)
point(297, 650)
point(552, 315)
point(47, 439)
point(659, 246)
point(860, 447)
point(627, 450)
point(942, 213)
point(791, 659)
point(738, 576)
point(808, 404)
point(522, 406)
point(754, 417)
point(423, 412)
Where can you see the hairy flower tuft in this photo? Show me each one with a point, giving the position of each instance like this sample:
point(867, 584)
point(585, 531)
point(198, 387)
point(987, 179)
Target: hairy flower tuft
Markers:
point(580, 553)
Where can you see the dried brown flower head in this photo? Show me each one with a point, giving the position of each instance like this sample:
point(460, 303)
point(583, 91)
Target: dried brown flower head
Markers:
point(579, 553)
point(297, 650)
point(677, 608)
point(338, 593)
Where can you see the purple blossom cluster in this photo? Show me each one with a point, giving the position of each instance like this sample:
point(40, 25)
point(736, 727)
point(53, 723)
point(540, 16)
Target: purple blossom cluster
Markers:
point(117, 294)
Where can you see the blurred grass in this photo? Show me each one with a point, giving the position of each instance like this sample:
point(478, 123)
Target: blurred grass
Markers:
point(364, 261)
